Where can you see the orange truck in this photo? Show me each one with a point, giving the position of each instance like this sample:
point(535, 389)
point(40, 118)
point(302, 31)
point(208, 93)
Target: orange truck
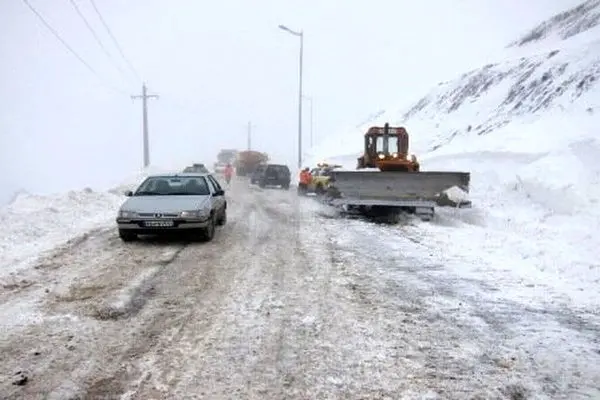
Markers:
point(247, 161)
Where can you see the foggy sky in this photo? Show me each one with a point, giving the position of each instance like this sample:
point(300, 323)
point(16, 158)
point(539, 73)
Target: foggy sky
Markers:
point(216, 66)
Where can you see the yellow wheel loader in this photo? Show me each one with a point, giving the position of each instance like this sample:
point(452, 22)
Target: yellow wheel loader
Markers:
point(395, 183)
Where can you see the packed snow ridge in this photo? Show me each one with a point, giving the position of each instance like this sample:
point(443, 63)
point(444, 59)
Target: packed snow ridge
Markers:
point(526, 128)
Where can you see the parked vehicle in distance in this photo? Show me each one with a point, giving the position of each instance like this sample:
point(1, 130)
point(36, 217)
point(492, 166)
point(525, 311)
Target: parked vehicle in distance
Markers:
point(257, 173)
point(274, 175)
point(176, 202)
point(196, 168)
point(320, 178)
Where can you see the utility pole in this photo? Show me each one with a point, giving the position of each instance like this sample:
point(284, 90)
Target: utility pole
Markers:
point(145, 96)
point(249, 134)
point(249, 139)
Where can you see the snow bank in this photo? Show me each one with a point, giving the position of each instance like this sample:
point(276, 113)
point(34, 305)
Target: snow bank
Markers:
point(33, 224)
point(535, 212)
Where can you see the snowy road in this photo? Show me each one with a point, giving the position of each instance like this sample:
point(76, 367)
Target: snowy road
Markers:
point(284, 303)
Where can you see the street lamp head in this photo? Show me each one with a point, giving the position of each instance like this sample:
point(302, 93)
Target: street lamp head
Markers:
point(285, 28)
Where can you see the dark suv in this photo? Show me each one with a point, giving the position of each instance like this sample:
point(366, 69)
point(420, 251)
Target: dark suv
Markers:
point(255, 177)
point(274, 175)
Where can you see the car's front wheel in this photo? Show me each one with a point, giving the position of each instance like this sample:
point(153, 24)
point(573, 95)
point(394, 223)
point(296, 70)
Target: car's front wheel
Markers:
point(127, 236)
point(223, 219)
point(208, 233)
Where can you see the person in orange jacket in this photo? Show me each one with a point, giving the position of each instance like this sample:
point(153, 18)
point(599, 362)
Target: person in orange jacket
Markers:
point(304, 180)
point(228, 173)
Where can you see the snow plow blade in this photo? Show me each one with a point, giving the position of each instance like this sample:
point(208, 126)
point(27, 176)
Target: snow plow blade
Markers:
point(402, 189)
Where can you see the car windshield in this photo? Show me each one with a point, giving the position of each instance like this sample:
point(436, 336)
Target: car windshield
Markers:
point(173, 186)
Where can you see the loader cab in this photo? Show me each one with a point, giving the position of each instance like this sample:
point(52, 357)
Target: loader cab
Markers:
point(386, 148)
point(393, 142)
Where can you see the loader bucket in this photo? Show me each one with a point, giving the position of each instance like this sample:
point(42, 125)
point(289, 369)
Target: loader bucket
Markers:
point(389, 187)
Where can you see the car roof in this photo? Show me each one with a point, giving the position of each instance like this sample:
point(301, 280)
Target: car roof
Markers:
point(277, 165)
point(179, 174)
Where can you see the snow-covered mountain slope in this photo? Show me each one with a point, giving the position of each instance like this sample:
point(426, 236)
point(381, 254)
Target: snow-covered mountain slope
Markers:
point(527, 129)
point(559, 73)
point(564, 25)
point(33, 224)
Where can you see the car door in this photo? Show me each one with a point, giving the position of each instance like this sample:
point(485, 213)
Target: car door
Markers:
point(218, 201)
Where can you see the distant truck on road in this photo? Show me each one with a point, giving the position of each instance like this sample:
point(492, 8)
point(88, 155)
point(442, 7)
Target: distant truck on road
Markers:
point(247, 161)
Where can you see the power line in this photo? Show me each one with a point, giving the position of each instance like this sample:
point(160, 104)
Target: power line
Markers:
point(64, 43)
point(97, 38)
point(114, 40)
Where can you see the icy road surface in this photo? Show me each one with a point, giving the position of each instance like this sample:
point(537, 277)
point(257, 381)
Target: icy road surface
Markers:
point(285, 303)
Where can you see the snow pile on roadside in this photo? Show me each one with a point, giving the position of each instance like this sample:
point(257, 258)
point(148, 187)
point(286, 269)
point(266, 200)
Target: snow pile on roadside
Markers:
point(34, 224)
point(535, 210)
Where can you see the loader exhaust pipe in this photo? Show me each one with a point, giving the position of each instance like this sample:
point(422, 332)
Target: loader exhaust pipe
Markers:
point(386, 136)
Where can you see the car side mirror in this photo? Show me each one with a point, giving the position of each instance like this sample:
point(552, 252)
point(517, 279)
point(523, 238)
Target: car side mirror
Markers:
point(219, 193)
point(128, 193)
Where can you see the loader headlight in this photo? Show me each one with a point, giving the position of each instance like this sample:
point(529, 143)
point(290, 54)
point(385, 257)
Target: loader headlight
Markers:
point(381, 156)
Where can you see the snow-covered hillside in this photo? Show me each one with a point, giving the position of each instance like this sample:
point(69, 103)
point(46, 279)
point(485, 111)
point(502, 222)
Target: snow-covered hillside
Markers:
point(526, 127)
point(554, 68)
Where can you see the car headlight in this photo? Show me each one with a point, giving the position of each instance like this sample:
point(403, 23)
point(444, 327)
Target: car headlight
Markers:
point(190, 214)
point(395, 155)
point(381, 156)
point(127, 214)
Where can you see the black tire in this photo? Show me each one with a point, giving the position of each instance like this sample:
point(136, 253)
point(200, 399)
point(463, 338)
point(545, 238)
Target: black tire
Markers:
point(285, 186)
point(223, 219)
point(262, 184)
point(127, 236)
point(208, 233)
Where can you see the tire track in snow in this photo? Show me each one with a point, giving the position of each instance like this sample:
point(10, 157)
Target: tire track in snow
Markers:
point(194, 292)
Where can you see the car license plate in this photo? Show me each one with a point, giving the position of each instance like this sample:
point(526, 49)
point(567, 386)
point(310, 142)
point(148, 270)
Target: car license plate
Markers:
point(158, 224)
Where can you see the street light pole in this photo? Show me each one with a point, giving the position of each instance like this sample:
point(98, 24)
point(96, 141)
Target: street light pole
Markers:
point(310, 100)
point(301, 36)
